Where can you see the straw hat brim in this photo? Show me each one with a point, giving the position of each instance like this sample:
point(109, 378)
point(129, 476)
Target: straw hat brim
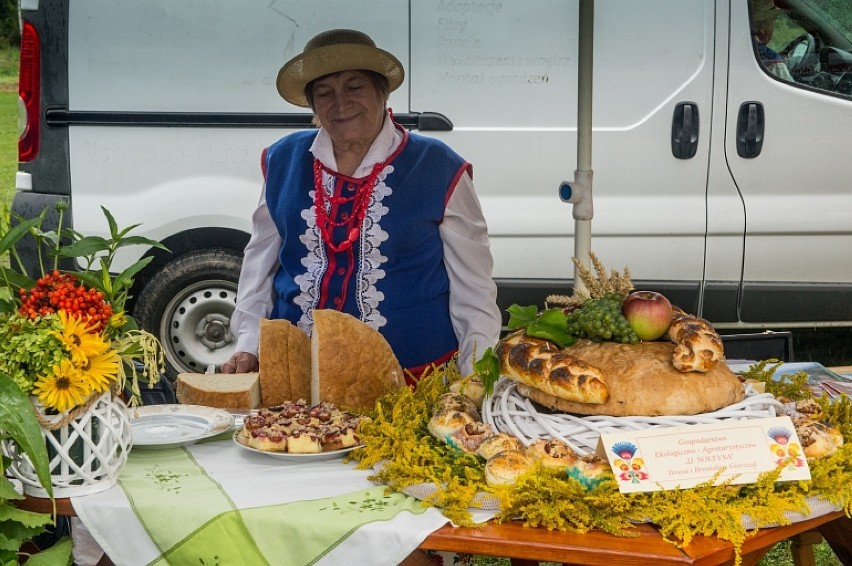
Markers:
point(318, 62)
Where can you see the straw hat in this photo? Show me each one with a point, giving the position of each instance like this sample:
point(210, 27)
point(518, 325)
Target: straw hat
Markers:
point(334, 51)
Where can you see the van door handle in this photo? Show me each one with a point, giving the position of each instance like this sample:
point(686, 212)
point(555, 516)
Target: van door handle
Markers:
point(750, 123)
point(685, 130)
point(425, 121)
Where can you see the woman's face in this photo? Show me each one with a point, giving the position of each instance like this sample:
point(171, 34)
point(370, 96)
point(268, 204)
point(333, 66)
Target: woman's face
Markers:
point(349, 107)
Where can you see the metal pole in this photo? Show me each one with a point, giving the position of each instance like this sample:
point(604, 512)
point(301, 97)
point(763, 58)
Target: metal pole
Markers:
point(583, 174)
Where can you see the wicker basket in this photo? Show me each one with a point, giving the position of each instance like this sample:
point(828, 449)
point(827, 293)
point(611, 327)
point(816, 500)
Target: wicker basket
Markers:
point(509, 411)
point(86, 453)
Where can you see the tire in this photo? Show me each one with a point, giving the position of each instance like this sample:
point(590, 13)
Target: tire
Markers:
point(188, 306)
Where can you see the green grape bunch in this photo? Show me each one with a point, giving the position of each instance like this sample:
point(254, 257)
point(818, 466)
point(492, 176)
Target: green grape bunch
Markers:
point(601, 320)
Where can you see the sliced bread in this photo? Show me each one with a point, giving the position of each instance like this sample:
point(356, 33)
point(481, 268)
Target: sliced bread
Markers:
point(221, 390)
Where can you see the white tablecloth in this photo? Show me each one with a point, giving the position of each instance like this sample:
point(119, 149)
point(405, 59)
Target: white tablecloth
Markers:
point(254, 480)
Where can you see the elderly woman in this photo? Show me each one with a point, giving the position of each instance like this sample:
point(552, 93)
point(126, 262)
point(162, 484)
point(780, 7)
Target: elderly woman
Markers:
point(366, 218)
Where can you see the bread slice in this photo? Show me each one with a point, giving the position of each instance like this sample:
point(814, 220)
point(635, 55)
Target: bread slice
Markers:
point(352, 364)
point(284, 357)
point(220, 390)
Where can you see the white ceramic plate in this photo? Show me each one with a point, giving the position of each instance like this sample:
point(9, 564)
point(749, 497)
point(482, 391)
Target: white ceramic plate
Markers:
point(167, 426)
point(330, 455)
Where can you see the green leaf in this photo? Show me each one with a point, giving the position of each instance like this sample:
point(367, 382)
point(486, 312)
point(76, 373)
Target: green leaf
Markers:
point(16, 280)
point(520, 317)
point(487, 369)
point(84, 247)
point(29, 519)
point(125, 278)
point(18, 421)
point(57, 555)
point(553, 317)
point(552, 325)
point(113, 226)
point(13, 534)
point(12, 237)
point(141, 241)
point(7, 489)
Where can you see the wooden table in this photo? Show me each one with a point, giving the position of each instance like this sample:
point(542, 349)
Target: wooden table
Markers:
point(527, 546)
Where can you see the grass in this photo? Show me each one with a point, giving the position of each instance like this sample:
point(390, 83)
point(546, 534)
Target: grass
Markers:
point(8, 122)
point(8, 144)
point(805, 344)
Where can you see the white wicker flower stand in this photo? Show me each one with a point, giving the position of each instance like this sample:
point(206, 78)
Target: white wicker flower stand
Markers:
point(86, 454)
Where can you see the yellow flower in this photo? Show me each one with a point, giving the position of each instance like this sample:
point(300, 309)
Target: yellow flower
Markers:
point(77, 338)
point(100, 370)
point(64, 389)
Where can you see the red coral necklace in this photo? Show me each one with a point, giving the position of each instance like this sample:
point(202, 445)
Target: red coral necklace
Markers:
point(323, 204)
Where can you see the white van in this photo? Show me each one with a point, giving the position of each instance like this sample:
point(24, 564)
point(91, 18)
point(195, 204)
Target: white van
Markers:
point(721, 184)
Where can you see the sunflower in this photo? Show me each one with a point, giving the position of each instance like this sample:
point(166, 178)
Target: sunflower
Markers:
point(100, 370)
point(65, 388)
point(78, 338)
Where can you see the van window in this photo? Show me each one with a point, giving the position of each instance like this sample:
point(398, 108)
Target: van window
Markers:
point(805, 42)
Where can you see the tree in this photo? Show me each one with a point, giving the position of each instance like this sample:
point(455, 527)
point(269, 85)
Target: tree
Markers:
point(10, 29)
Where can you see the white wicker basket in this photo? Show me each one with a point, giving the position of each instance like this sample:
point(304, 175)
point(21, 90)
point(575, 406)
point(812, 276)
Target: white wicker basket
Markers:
point(86, 455)
point(509, 411)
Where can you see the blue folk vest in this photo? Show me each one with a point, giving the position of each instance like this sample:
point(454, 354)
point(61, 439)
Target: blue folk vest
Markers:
point(393, 277)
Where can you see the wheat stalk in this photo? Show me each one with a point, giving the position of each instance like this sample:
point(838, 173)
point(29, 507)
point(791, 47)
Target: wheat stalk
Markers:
point(598, 284)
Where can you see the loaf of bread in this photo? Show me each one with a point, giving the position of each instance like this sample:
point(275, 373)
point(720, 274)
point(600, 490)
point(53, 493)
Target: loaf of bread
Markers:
point(284, 356)
point(642, 382)
point(352, 365)
point(221, 390)
point(540, 364)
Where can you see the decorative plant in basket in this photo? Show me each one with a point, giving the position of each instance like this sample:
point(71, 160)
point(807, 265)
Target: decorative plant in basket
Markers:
point(17, 527)
point(66, 341)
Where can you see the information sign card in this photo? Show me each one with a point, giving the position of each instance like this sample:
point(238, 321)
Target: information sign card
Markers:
point(685, 456)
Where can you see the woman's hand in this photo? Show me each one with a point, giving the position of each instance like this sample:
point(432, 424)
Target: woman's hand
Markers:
point(240, 362)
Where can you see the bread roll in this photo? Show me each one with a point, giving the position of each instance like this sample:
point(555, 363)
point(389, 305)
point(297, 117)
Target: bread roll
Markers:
point(471, 388)
point(818, 439)
point(698, 346)
point(469, 437)
point(352, 365)
point(220, 390)
point(552, 453)
point(284, 356)
point(456, 402)
point(506, 467)
point(540, 364)
point(643, 382)
point(444, 424)
point(497, 443)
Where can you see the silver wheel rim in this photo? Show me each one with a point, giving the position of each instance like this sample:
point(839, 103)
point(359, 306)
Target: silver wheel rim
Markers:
point(195, 329)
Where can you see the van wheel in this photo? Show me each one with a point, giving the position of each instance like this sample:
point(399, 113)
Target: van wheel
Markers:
point(188, 306)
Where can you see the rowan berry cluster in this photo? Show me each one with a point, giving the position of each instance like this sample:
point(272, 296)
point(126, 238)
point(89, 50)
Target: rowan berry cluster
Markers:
point(61, 291)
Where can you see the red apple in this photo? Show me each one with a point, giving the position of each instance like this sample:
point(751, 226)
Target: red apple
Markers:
point(649, 314)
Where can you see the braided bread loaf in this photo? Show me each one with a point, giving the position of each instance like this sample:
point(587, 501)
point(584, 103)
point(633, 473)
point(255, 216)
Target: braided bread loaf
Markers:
point(540, 364)
point(697, 345)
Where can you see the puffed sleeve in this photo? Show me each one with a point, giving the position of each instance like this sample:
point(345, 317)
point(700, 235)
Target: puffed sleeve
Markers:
point(467, 256)
point(254, 293)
